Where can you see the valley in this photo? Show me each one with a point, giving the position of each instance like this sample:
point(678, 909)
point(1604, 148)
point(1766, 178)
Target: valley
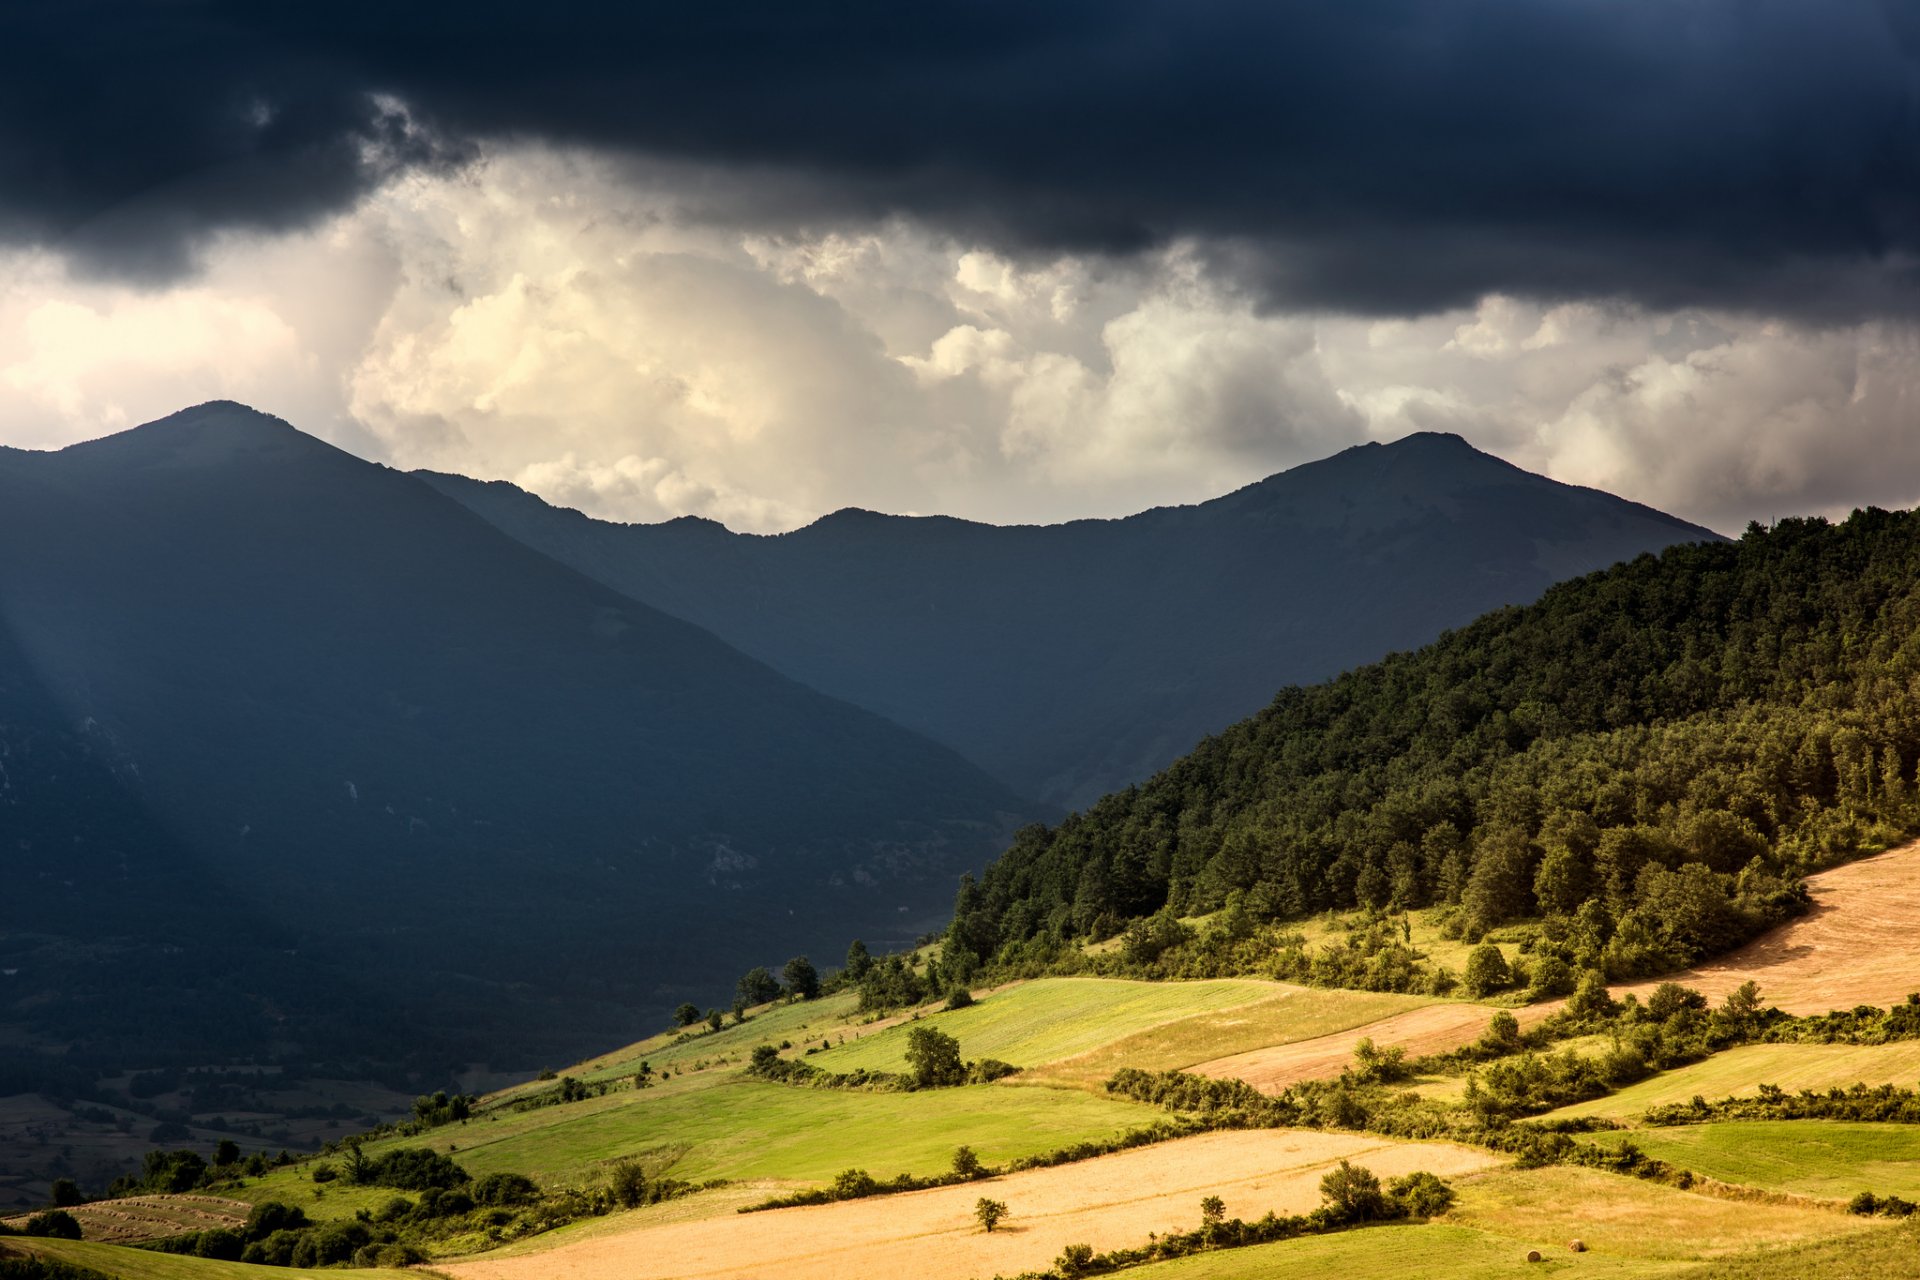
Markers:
point(704, 1118)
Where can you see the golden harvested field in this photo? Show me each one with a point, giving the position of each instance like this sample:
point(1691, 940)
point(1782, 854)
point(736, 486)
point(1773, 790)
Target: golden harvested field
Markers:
point(1434, 1029)
point(1860, 944)
point(931, 1235)
point(154, 1217)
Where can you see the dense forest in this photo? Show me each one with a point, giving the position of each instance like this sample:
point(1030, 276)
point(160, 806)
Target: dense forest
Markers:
point(1647, 761)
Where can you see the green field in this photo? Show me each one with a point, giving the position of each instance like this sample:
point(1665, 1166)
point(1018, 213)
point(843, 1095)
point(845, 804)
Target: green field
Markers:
point(1742, 1071)
point(728, 1127)
point(1620, 1216)
point(1054, 1018)
point(1887, 1254)
point(138, 1264)
point(1425, 1252)
point(1827, 1159)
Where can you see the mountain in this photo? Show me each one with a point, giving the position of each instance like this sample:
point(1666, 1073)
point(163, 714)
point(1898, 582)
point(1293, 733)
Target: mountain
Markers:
point(258, 691)
point(1645, 764)
point(1072, 659)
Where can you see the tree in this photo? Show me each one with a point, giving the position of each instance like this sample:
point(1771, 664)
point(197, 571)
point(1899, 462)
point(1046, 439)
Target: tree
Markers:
point(758, 986)
point(1213, 1210)
point(67, 1193)
point(686, 1015)
point(1352, 1194)
point(934, 1057)
point(54, 1224)
point(1486, 971)
point(1421, 1195)
point(965, 1163)
point(988, 1213)
point(859, 960)
point(227, 1153)
point(714, 1019)
point(803, 980)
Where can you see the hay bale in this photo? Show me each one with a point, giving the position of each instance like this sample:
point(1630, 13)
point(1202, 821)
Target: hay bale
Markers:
point(1533, 1255)
point(1578, 1246)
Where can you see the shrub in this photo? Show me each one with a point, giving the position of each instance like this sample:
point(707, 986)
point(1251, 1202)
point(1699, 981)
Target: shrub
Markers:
point(960, 998)
point(1486, 971)
point(1352, 1194)
point(1420, 1195)
point(54, 1224)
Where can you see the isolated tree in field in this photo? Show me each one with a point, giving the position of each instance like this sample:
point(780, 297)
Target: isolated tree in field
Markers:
point(1486, 971)
point(1213, 1211)
point(989, 1212)
point(934, 1057)
point(757, 986)
point(803, 980)
point(686, 1015)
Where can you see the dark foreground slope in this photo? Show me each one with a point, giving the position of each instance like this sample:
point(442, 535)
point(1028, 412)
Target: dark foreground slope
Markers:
point(532, 810)
point(1649, 758)
point(1072, 659)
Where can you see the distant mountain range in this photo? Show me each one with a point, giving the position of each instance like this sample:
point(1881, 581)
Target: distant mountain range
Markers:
point(1070, 660)
point(296, 750)
point(253, 689)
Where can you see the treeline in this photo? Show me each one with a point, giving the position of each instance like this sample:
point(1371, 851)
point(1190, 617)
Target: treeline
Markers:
point(1648, 759)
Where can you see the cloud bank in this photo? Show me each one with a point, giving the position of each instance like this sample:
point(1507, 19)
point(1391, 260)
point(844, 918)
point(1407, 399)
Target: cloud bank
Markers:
point(1374, 156)
point(563, 321)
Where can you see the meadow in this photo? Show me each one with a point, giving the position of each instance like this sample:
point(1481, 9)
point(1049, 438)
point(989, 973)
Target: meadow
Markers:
point(140, 1264)
point(1740, 1071)
point(1827, 1159)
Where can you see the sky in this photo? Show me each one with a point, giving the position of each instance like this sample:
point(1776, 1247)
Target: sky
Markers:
point(1011, 261)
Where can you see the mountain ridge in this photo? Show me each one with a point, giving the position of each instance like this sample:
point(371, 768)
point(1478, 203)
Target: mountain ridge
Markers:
point(1073, 658)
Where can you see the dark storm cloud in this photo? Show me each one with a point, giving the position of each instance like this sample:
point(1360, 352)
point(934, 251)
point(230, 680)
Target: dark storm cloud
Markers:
point(1373, 154)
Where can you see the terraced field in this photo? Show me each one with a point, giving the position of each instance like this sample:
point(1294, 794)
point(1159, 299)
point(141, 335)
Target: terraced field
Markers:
point(152, 1217)
point(1054, 1018)
point(930, 1235)
point(1824, 1159)
point(725, 1126)
point(1740, 1073)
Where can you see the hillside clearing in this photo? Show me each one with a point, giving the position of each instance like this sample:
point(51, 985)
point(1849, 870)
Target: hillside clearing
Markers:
point(1858, 944)
point(1830, 1160)
point(931, 1235)
point(153, 1217)
point(1740, 1071)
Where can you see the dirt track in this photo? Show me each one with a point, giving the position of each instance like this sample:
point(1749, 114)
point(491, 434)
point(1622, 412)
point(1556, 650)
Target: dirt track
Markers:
point(1860, 944)
point(930, 1235)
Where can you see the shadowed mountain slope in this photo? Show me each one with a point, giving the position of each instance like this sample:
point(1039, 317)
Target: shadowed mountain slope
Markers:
point(1072, 659)
point(409, 745)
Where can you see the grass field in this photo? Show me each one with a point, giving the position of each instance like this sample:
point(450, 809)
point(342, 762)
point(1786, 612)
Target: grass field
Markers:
point(1422, 1252)
point(1822, 1158)
point(1625, 1217)
point(728, 1127)
point(1741, 1071)
point(153, 1217)
point(138, 1264)
point(1892, 1253)
point(1053, 1018)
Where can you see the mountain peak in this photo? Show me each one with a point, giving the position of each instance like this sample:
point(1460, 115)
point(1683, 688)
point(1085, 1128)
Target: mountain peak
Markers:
point(217, 433)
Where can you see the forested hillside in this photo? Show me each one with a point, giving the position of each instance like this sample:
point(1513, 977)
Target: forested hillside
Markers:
point(1071, 659)
point(1649, 758)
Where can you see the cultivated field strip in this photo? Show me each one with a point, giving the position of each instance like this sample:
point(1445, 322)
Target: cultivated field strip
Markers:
point(930, 1235)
